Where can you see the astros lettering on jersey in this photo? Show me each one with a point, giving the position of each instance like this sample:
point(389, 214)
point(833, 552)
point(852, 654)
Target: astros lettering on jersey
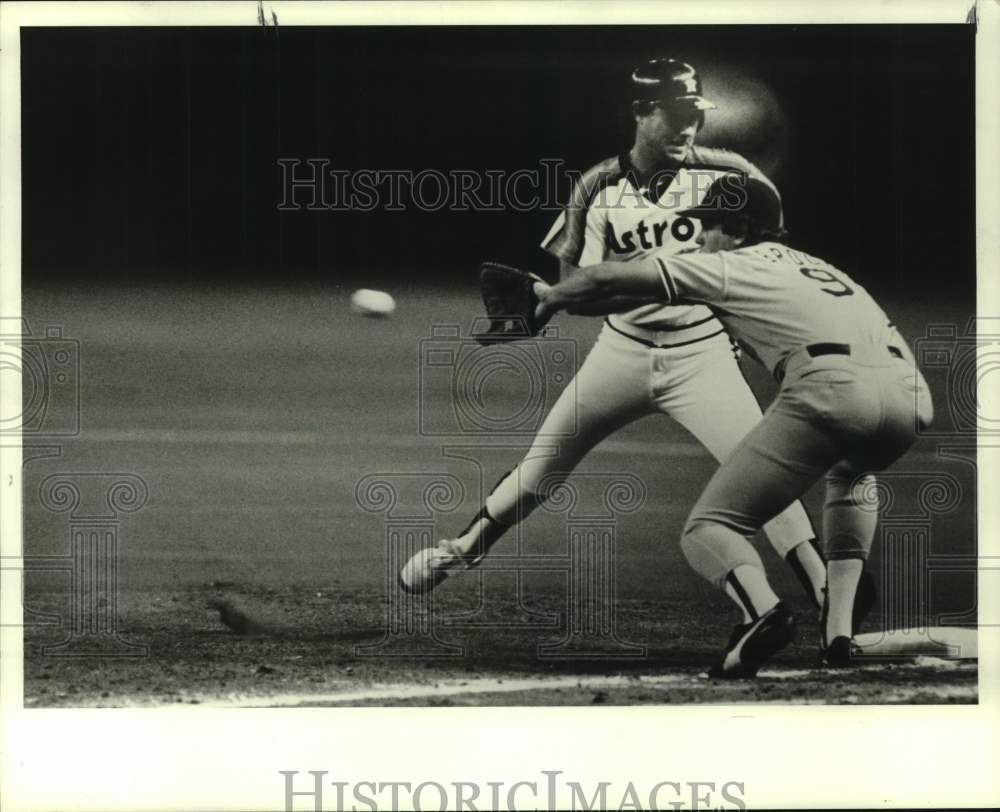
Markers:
point(612, 217)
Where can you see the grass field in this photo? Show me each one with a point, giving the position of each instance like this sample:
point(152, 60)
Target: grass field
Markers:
point(251, 415)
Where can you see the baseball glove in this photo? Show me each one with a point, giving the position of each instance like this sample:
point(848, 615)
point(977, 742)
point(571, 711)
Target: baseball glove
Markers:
point(510, 303)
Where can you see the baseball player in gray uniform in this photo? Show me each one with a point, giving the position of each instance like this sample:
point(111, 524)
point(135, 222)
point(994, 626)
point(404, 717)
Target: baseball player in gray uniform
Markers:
point(851, 402)
point(674, 359)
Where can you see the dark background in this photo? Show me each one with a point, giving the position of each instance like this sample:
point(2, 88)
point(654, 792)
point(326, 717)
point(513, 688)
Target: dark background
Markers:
point(152, 153)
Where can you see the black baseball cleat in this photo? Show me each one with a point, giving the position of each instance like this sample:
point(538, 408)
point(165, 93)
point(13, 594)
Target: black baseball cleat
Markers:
point(841, 653)
point(753, 644)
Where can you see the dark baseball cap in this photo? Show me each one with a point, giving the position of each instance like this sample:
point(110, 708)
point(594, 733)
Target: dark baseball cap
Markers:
point(739, 195)
point(669, 81)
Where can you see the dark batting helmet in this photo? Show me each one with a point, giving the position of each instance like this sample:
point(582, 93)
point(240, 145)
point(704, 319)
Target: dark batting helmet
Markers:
point(669, 82)
point(738, 197)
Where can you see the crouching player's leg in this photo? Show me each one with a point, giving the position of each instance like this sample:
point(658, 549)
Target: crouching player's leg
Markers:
point(726, 559)
point(850, 515)
point(771, 467)
point(717, 406)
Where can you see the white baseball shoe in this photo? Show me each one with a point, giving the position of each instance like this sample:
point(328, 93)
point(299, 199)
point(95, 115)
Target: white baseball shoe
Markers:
point(430, 566)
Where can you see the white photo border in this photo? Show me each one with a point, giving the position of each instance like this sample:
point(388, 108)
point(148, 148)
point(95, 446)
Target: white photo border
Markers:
point(792, 757)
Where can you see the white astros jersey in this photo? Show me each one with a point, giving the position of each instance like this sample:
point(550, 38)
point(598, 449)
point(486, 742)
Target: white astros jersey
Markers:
point(610, 217)
point(775, 300)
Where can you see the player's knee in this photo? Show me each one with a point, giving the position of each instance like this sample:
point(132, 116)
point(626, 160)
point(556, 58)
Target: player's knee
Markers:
point(697, 550)
point(847, 487)
point(864, 492)
point(842, 472)
point(714, 550)
point(842, 546)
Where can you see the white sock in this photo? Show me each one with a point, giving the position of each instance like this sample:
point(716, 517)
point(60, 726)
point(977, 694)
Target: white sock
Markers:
point(748, 587)
point(842, 583)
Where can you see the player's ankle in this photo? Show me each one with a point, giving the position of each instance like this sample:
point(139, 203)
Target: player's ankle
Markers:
point(807, 564)
point(747, 586)
point(480, 535)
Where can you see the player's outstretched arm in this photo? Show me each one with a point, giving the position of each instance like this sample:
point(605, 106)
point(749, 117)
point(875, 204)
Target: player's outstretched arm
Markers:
point(602, 283)
point(606, 307)
point(614, 304)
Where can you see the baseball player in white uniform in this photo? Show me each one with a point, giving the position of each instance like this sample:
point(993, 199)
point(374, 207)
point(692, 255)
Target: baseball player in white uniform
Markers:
point(649, 357)
point(851, 402)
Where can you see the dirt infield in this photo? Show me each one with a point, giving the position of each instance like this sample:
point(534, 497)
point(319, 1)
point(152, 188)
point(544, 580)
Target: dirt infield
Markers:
point(252, 417)
point(323, 648)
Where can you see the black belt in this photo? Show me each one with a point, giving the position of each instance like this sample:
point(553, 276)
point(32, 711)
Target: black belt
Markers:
point(815, 350)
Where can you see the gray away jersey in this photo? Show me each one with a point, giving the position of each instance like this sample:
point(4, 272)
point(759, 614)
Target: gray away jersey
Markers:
point(776, 299)
point(609, 217)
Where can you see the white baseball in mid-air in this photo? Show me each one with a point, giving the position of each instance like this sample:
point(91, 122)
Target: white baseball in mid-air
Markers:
point(376, 303)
